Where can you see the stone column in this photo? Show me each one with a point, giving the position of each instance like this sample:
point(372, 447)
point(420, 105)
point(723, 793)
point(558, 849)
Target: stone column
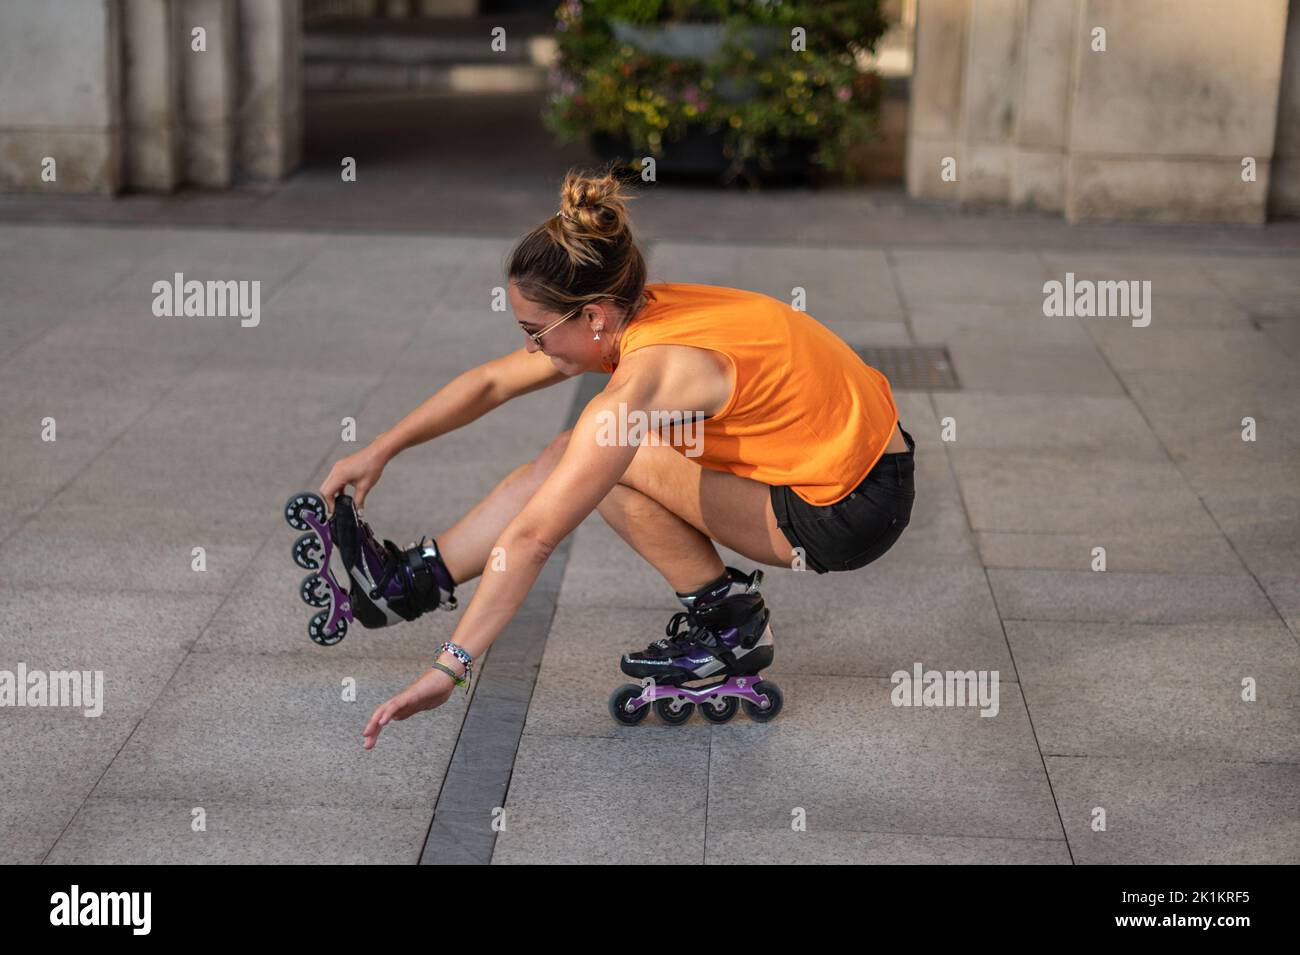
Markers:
point(1284, 176)
point(151, 95)
point(270, 87)
point(992, 80)
point(208, 91)
point(1160, 122)
point(935, 112)
point(61, 95)
point(1043, 105)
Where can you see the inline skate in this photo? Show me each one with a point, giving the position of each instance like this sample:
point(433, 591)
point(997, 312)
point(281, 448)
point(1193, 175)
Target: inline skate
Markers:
point(726, 643)
point(355, 578)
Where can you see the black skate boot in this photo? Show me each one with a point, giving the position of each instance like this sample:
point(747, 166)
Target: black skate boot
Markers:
point(355, 577)
point(727, 642)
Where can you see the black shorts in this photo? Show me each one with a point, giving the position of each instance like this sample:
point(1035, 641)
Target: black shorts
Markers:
point(853, 532)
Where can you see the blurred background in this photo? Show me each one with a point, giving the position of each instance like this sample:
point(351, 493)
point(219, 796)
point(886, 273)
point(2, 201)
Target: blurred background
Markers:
point(1156, 118)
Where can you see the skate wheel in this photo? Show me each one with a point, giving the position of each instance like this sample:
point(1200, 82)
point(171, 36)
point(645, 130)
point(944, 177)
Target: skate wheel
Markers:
point(720, 709)
point(619, 700)
point(316, 629)
point(674, 716)
point(308, 551)
point(773, 694)
point(304, 501)
point(314, 591)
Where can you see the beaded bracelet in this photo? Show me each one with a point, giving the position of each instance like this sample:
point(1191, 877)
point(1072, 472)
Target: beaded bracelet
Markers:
point(459, 653)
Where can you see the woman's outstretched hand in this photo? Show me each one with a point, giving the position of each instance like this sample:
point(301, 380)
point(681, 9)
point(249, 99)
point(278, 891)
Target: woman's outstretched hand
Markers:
point(431, 690)
point(362, 470)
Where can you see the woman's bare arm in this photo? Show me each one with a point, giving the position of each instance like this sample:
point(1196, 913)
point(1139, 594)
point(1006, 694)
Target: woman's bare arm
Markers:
point(469, 396)
point(590, 466)
point(519, 372)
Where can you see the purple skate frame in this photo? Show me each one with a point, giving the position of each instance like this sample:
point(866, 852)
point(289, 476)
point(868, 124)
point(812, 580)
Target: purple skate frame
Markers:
point(741, 686)
point(341, 605)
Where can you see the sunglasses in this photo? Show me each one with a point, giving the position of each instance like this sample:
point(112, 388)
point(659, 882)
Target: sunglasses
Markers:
point(537, 336)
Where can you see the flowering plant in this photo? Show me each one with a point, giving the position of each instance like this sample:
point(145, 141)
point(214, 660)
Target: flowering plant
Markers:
point(806, 86)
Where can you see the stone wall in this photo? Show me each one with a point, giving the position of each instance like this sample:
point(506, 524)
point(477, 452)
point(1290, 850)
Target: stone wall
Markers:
point(118, 94)
point(1017, 101)
point(61, 118)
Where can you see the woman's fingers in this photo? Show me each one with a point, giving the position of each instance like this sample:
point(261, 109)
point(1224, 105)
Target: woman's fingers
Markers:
point(330, 488)
point(377, 721)
point(398, 708)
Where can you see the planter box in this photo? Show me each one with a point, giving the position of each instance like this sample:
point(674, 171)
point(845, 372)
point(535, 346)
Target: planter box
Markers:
point(699, 154)
point(701, 43)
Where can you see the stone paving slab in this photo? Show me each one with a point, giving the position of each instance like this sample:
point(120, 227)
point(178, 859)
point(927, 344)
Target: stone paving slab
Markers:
point(849, 847)
point(854, 761)
point(221, 728)
point(1178, 812)
point(1012, 326)
point(1069, 491)
point(1118, 689)
point(1238, 353)
point(1119, 596)
point(1161, 690)
point(155, 831)
point(1111, 426)
point(1173, 553)
point(599, 800)
point(1002, 368)
point(1284, 591)
point(57, 776)
point(1011, 278)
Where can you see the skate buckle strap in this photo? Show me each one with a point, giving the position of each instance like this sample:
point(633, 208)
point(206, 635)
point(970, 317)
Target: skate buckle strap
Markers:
point(748, 639)
point(429, 554)
point(713, 643)
point(422, 557)
point(698, 635)
point(420, 573)
point(378, 590)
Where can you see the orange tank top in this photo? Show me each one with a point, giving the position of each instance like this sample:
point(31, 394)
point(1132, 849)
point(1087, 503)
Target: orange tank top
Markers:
point(806, 411)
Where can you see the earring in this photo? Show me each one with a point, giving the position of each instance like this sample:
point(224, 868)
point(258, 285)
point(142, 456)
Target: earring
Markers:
point(597, 338)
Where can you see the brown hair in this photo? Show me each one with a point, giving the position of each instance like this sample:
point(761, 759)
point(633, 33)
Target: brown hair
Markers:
point(586, 251)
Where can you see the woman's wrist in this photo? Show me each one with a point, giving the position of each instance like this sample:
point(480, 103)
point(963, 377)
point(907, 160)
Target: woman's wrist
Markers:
point(385, 447)
point(448, 672)
point(449, 660)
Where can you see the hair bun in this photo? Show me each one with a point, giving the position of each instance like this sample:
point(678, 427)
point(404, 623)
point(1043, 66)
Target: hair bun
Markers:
point(596, 202)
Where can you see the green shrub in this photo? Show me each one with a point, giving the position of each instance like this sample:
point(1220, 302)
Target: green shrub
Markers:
point(601, 85)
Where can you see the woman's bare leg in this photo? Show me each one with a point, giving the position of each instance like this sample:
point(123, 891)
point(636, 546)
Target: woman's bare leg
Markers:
point(466, 545)
point(660, 506)
point(684, 556)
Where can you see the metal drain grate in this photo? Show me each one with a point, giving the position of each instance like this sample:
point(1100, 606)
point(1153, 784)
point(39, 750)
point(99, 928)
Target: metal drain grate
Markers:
point(913, 368)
